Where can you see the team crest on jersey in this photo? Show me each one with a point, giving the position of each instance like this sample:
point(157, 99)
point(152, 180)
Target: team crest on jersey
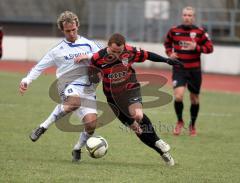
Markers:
point(193, 35)
point(125, 57)
point(125, 61)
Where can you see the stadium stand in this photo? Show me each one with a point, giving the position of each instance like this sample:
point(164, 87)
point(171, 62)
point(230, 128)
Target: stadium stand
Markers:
point(36, 18)
point(100, 18)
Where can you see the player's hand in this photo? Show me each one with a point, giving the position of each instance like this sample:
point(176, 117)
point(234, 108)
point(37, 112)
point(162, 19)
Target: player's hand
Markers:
point(23, 86)
point(80, 58)
point(171, 61)
point(95, 78)
point(173, 55)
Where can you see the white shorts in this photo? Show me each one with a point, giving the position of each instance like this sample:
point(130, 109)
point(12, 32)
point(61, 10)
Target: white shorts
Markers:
point(87, 96)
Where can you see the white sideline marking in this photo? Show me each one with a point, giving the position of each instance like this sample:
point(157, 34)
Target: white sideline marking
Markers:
point(7, 105)
point(216, 114)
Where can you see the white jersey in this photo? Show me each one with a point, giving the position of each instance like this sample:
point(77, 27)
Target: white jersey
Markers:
point(62, 56)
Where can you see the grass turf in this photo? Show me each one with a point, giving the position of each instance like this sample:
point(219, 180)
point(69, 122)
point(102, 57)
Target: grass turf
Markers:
point(212, 156)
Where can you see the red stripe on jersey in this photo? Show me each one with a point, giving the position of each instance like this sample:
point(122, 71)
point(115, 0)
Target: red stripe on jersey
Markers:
point(189, 57)
point(192, 65)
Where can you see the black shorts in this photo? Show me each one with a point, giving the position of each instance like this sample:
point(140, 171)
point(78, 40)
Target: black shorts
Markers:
point(120, 103)
point(190, 78)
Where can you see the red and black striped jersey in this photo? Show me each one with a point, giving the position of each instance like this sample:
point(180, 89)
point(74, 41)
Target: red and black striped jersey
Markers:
point(117, 73)
point(179, 36)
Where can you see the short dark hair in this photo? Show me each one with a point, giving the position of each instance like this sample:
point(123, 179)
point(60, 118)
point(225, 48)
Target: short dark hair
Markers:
point(117, 38)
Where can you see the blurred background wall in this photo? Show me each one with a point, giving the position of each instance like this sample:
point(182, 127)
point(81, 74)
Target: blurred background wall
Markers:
point(139, 20)
point(30, 25)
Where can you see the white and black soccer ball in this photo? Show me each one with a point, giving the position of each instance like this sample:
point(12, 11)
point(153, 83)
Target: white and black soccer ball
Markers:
point(96, 147)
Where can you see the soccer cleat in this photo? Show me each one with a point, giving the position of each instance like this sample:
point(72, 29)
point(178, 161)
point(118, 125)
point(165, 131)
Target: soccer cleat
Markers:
point(34, 136)
point(76, 155)
point(168, 159)
point(162, 145)
point(192, 131)
point(178, 128)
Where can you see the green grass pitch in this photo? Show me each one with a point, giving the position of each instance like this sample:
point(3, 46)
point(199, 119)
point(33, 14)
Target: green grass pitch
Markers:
point(212, 156)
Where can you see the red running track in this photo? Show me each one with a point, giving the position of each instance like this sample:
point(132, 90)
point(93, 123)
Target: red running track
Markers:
point(211, 82)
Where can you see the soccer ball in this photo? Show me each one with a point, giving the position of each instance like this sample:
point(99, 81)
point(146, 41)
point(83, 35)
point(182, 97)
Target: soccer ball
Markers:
point(96, 147)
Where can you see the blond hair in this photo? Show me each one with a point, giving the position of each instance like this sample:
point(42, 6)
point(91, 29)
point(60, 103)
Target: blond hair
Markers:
point(189, 8)
point(67, 16)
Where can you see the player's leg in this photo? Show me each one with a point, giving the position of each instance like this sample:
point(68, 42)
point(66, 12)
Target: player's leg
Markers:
point(71, 102)
point(178, 107)
point(136, 113)
point(194, 109)
point(130, 113)
point(88, 114)
point(179, 83)
point(142, 125)
point(145, 131)
point(150, 138)
point(90, 125)
point(194, 87)
point(56, 114)
point(178, 101)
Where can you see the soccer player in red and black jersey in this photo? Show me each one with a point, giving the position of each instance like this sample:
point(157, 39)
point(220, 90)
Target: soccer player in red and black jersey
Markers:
point(122, 90)
point(186, 43)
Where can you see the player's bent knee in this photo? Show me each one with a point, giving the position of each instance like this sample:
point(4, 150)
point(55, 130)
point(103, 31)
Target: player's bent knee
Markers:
point(136, 128)
point(138, 117)
point(178, 98)
point(194, 98)
point(90, 127)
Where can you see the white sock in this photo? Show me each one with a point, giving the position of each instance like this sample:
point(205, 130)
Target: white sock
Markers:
point(84, 136)
point(57, 113)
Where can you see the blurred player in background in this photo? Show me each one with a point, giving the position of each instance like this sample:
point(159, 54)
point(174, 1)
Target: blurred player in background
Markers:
point(186, 42)
point(1, 39)
point(114, 65)
point(76, 94)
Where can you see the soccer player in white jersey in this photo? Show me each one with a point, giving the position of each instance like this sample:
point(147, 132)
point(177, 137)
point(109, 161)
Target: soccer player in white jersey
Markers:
point(65, 57)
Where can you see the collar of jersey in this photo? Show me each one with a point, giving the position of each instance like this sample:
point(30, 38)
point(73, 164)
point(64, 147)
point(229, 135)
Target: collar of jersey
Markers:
point(75, 44)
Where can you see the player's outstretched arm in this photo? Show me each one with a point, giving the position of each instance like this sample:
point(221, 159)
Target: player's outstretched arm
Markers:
point(172, 61)
point(158, 58)
point(46, 62)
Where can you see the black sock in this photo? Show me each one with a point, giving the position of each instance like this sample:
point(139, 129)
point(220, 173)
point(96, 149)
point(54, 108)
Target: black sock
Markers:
point(178, 105)
point(148, 136)
point(194, 113)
